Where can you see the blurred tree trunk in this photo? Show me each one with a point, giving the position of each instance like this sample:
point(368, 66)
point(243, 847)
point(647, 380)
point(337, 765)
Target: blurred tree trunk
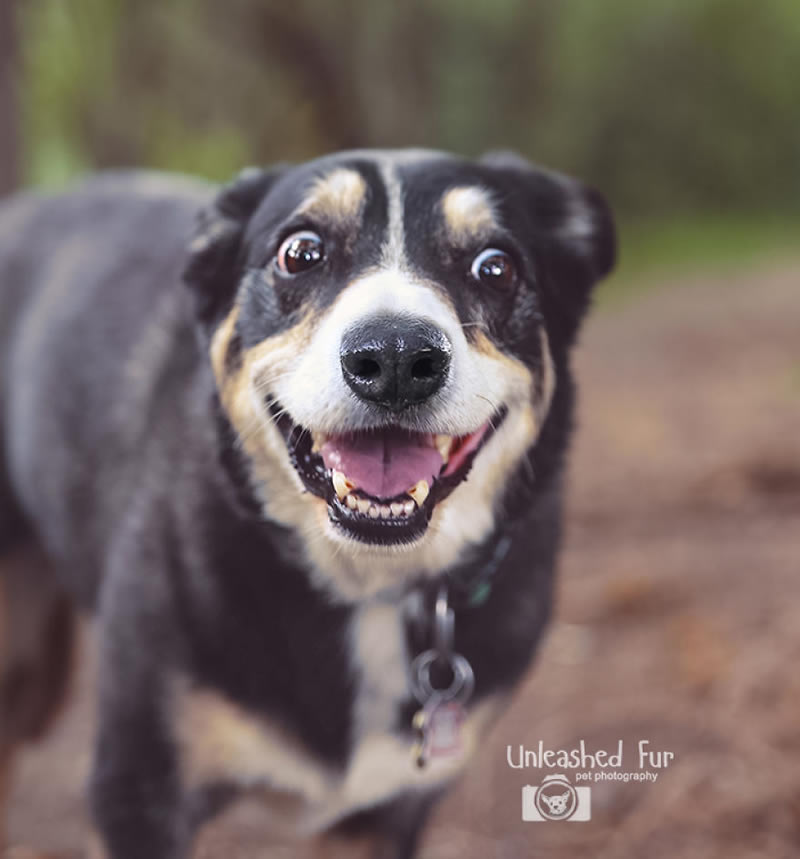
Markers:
point(320, 65)
point(10, 167)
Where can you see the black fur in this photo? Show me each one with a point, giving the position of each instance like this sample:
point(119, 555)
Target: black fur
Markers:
point(119, 459)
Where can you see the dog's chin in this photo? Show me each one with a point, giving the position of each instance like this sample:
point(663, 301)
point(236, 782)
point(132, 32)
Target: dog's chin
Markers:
point(380, 486)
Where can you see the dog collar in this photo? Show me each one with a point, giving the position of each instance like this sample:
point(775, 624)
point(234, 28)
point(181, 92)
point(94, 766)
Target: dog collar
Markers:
point(473, 590)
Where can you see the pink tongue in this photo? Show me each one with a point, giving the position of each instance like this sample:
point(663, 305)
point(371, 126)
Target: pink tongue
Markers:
point(383, 464)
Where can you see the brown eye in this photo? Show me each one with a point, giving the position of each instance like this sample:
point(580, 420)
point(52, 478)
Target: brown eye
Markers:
point(494, 268)
point(300, 252)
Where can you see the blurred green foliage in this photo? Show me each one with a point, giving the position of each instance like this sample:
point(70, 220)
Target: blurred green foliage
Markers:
point(670, 106)
point(661, 249)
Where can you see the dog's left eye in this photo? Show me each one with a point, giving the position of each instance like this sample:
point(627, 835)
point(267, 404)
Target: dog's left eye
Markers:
point(494, 268)
point(300, 252)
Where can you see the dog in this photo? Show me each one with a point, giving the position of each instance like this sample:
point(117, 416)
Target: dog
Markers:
point(297, 444)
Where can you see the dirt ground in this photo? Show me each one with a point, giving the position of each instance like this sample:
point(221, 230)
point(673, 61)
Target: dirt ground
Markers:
point(678, 615)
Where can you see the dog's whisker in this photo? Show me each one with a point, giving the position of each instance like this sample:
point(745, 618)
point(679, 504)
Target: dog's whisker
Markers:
point(495, 406)
point(269, 380)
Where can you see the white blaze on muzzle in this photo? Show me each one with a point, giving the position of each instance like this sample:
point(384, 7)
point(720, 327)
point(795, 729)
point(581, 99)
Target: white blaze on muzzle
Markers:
point(317, 396)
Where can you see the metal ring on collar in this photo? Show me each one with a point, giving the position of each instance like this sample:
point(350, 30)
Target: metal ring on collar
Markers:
point(460, 687)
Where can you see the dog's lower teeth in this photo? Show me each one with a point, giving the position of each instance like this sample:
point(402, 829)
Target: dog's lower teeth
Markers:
point(419, 492)
point(398, 509)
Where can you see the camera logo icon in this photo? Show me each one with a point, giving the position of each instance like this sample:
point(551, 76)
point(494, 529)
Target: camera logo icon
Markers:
point(556, 799)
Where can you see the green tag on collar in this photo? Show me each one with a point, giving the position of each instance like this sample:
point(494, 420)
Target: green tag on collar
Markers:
point(479, 595)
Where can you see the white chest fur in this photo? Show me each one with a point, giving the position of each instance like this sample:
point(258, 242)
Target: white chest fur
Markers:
point(221, 741)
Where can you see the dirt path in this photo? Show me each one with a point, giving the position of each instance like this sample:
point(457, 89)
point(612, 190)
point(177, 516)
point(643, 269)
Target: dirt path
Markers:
point(679, 605)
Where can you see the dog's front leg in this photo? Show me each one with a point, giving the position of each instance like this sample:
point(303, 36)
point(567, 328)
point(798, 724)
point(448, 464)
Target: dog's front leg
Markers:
point(135, 792)
point(135, 795)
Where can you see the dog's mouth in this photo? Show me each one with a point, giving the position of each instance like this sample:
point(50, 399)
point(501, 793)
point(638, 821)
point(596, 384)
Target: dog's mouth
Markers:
point(381, 485)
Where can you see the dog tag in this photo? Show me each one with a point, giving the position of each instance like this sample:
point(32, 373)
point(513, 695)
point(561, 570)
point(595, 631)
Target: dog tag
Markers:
point(437, 726)
point(444, 730)
point(438, 729)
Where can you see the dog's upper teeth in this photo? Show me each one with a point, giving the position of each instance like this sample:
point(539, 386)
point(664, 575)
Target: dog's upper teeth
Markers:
point(419, 492)
point(443, 444)
point(342, 484)
point(317, 440)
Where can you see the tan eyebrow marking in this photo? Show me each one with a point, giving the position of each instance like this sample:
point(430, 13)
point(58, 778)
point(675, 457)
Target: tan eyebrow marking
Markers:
point(469, 213)
point(338, 196)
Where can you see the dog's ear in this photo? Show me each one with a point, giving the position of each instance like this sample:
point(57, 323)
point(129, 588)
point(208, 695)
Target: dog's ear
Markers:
point(212, 269)
point(573, 220)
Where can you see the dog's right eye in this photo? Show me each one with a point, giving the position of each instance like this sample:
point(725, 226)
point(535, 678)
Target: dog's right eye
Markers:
point(300, 252)
point(494, 268)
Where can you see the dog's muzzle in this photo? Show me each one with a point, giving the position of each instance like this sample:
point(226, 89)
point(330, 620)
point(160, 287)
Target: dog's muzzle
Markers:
point(382, 481)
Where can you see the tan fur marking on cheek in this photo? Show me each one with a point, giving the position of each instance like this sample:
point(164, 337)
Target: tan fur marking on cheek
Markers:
point(258, 367)
point(469, 213)
point(339, 196)
point(542, 386)
point(220, 343)
point(522, 376)
point(232, 386)
point(484, 345)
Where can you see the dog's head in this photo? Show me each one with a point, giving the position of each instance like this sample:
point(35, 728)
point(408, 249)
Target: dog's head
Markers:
point(386, 331)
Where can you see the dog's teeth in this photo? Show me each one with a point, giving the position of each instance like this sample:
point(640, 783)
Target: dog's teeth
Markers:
point(443, 444)
point(386, 511)
point(341, 484)
point(317, 439)
point(419, 492)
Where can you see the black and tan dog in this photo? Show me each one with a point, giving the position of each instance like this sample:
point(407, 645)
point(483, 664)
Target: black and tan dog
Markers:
point(257, 450)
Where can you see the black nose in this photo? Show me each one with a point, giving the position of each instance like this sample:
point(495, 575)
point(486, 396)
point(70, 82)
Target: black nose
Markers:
point(395, 361)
